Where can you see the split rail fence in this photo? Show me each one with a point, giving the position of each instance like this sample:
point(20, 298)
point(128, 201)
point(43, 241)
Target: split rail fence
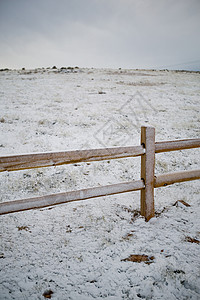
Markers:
point(146, 184)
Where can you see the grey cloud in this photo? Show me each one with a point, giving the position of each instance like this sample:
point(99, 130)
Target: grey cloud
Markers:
point(107, 33)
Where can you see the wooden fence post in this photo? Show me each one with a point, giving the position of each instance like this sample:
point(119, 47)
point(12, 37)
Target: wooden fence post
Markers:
point(147, 172)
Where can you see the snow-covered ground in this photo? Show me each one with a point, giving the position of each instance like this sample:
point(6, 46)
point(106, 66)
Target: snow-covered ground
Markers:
point(77, 250)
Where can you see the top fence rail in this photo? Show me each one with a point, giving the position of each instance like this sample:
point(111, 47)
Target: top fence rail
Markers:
point(38, 160)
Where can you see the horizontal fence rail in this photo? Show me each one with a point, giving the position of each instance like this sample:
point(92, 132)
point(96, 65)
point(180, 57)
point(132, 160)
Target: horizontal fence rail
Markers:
point(36, 160)
point(30, 161)
point(146, 184)
point(177, 145)
point(170, 178)
point(84, 194)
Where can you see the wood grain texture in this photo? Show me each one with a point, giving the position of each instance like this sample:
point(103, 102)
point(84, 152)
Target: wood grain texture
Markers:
point(177, 145)
point(36, 160)
point(30, 161)
point(170, 178)
point(61, 198)
point(147, 172)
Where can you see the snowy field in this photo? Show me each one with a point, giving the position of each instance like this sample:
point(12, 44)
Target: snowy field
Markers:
point(78, 251)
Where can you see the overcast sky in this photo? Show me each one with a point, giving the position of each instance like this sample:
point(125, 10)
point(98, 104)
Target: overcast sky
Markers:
point(100, 33)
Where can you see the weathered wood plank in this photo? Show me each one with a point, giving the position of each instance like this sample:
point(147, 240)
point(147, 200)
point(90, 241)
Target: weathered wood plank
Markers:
point(36, 160)
point(61, 198)
point(147, 172)
point(29, 161)
point(177, 145)
point(170, 178)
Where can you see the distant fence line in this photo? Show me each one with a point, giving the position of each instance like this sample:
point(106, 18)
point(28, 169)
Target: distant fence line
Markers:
point(146, 184)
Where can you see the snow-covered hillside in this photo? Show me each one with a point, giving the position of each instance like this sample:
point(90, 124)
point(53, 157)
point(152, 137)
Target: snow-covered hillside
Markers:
point(78, 250)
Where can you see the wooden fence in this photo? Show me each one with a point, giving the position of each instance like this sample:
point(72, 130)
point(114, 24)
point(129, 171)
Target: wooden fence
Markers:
point(146, 184)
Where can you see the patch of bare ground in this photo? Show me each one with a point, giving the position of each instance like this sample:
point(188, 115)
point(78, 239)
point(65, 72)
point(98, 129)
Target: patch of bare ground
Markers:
point(47, 294)
point(191, 240)
point(130, 73)
point(144, 83)
point(139, 258)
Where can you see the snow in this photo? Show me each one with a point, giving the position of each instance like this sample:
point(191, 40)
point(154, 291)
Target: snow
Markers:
point(77, 249)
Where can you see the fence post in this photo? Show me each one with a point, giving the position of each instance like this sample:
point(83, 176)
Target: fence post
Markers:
point(147, 172)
